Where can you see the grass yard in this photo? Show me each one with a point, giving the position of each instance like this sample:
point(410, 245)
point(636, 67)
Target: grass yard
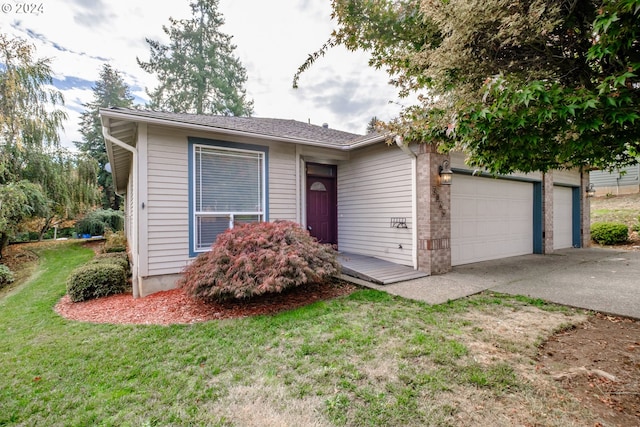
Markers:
point(624, 209)
point(369, 359)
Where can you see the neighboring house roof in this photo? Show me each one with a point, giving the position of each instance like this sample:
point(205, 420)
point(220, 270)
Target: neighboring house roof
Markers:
point(121, 124)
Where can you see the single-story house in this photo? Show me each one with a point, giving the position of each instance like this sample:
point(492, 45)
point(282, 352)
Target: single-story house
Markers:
point(625, 180)
point(186, 178)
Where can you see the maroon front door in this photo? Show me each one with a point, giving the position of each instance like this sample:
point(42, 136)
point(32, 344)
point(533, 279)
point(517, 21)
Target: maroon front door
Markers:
point(322, 214)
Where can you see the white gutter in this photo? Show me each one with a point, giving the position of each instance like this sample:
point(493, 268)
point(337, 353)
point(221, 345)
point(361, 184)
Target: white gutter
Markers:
point(134, 213)
point(414, 197)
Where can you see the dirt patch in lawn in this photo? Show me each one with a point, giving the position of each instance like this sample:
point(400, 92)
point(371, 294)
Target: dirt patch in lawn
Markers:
point(598, 362)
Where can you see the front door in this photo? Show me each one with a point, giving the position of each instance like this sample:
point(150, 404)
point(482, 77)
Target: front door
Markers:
point(322, 203)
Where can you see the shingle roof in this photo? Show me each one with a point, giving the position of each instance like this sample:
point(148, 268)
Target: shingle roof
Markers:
point(121, 124)
point(277, 128)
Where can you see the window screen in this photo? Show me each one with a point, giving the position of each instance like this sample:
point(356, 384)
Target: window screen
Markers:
point(229, 188)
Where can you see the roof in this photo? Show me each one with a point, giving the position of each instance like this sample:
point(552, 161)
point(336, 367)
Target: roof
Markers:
point(121, 124)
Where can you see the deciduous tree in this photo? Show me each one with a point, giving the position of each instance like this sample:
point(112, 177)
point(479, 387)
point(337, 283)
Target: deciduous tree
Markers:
point(519, 85)
point(37, 177)
point(30, 113)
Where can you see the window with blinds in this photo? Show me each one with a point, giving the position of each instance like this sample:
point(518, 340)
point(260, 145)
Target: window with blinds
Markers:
point(229, 189)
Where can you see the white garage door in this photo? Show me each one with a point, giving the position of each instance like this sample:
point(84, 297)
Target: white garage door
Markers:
point(562, 217)
point(490, 219)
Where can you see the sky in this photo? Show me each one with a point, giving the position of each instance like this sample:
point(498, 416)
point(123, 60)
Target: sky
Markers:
point(272, 39)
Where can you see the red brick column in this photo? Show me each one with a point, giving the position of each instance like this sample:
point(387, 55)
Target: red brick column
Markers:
point(434, 213)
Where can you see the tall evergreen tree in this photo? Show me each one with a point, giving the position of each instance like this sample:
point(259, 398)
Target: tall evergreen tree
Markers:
point(197, 71)
point(373, 124)
point(110, 91)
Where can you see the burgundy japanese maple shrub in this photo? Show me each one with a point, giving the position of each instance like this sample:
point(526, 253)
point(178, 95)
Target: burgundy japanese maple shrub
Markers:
point(259, 258)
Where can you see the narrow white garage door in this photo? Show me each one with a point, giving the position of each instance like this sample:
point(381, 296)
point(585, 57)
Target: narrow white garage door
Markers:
point(562, 217)
point(490, 219)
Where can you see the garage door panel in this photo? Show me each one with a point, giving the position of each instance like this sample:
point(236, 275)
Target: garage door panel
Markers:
point(490, 219)
point(562, 217)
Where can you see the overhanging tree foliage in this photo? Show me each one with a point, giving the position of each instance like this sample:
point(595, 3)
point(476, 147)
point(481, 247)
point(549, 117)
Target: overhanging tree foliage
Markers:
point(197, 71)
point(110, 91)
point(519, 85)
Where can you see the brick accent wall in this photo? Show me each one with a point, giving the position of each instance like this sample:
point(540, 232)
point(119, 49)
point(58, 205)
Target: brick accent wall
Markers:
point(547, 212)
point(434, 213)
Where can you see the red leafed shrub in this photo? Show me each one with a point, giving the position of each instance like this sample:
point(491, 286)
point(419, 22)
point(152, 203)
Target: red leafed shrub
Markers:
point(259, 258)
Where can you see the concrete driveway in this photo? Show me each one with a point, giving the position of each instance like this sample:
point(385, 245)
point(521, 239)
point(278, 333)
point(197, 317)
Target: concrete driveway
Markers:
point(604, 280)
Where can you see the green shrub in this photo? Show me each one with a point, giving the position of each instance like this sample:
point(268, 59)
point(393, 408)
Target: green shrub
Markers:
point(6, 275)
point(258, 258)
point(96, 223)
point(117, 258)
point(609, 233)
point(115, 242)
point(96, 280)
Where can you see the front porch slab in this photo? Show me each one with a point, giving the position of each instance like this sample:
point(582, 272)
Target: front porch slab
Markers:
point(376, 270)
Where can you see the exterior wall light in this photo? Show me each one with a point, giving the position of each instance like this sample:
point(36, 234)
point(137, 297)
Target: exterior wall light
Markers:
point(591, 190)
point(445, 173)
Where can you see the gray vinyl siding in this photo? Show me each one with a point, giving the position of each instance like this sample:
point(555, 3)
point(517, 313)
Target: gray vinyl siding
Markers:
point(374, 186)
point(568, 177)
point(282, 182)
point(168, 198)
point(628, 176)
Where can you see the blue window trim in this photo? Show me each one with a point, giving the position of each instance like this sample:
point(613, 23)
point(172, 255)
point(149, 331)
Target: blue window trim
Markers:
point(192, 142)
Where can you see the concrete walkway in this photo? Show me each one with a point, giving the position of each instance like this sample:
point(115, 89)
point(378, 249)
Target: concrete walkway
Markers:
point(603, 280)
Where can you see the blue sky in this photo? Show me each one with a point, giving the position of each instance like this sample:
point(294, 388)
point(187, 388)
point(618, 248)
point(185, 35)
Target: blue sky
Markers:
point(272, 37)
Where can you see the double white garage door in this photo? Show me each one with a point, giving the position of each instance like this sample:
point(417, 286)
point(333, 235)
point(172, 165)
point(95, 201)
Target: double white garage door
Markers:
point(493, 218)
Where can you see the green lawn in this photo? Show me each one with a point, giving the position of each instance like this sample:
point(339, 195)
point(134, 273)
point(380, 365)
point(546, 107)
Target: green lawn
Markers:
point(369, 359)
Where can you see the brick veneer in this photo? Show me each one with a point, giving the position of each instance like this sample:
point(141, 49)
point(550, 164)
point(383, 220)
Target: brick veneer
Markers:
point(547, 212)
point(434, 213)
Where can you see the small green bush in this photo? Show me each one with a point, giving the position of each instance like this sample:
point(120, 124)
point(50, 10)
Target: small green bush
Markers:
point(259, 258)
point(98, 222)
point(117, 258)
point(6, 275)
point(96, 280)
point(115, 242)
point(609, 233)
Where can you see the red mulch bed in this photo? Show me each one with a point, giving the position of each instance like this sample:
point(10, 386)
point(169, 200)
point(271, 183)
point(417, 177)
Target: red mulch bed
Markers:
point(175, 307)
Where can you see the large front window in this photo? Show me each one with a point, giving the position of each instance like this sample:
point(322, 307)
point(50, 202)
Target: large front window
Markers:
point(228, 189)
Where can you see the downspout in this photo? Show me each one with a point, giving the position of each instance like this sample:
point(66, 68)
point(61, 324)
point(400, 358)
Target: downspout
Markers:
point(399, 140)
point(134, 152)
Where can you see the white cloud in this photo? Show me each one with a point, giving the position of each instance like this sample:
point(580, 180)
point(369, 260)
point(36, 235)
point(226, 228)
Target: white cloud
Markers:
point(273, 38)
